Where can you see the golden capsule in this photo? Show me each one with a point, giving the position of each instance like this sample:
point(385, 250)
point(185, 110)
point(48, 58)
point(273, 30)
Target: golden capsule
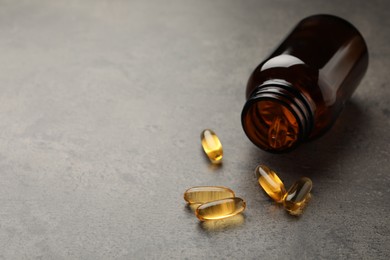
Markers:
point(220, 209)
point(211, 146)
point(298, 196)
point(203, 194)
point(270, 183)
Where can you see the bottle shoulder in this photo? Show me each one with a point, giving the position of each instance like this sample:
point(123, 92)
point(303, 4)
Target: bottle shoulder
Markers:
point(285, 68)
point(301, 76)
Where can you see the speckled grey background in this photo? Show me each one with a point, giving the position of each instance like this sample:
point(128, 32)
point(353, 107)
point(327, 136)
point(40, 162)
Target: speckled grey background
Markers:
point(101, 107)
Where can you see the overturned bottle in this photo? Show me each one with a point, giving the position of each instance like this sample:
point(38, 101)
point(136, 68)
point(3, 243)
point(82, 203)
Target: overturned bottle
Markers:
point(297, 93)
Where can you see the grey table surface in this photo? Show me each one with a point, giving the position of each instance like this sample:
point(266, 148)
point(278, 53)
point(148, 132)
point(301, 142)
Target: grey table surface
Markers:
point(102, 104)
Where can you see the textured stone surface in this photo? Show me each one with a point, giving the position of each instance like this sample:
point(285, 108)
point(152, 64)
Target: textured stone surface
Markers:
point(101, 107)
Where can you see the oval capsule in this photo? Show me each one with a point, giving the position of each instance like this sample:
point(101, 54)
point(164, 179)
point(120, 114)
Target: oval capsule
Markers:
point(298, 196)
point(220, 209)
point(211, 146)
point(203, 194)
point(270, 183)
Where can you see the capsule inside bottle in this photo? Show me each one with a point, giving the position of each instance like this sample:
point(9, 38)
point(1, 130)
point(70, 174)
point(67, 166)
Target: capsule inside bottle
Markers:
point(212, 146)
point(220, 209)
point(270, 183)
point(275, 129)
point(203, 194)
point(298, 196)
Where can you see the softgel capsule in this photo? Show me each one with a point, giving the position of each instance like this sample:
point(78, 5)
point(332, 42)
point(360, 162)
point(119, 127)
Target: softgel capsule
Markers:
point(212, 146)
point(294, 200)
point(220, 209)
point(298, 196)
point(203, 194)
point(215, 202)
point(270, 183)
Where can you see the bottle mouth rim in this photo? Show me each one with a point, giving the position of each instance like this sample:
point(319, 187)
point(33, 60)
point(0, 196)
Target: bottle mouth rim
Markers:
point(284, 95)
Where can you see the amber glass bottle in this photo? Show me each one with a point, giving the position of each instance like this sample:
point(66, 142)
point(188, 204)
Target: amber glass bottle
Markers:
point(297, 93)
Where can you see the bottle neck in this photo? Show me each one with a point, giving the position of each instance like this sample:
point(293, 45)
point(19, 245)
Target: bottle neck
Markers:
point(277, 117)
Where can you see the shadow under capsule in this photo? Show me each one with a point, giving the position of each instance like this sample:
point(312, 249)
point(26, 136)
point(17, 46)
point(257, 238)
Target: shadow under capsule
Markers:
point(192, 207)
point(222, 224)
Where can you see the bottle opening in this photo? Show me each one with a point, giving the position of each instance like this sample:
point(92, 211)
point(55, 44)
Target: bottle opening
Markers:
point(276, 117)
point(271, 125)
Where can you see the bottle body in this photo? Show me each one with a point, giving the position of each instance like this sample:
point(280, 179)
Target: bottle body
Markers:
point(297, 93)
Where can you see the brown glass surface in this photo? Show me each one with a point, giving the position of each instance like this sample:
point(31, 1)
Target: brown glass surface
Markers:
point(324, 58)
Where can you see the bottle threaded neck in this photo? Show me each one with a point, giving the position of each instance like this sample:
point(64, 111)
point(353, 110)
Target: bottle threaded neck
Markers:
point(277, 117)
